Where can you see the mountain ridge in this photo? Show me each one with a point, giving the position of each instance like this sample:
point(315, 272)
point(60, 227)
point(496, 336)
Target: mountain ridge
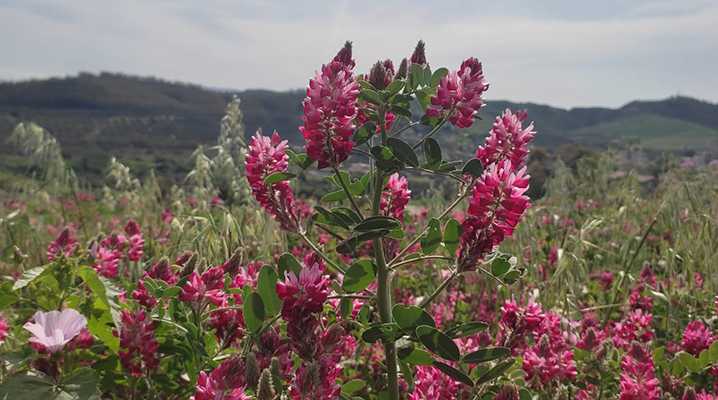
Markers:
point(155, 123)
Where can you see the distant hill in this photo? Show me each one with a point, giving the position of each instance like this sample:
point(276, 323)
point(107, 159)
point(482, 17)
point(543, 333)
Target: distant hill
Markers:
point(151, 123)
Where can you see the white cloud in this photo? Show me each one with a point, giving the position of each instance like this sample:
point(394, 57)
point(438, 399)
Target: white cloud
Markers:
point(561, 52)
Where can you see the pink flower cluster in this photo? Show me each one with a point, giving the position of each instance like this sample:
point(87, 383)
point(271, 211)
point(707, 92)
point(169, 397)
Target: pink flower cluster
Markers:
point(549, 357)
point(64, 245)
point(697, 337)
point(395, 196)
point(508, 140)
point(498, 200)
point(496, 206)
point(430, 383)
point(138, 345)
point(636, 326)
point(207, 286)
point(458, 97)
point(113, 248)
point(638, 379)
point(267, 156)
point(226, 382)
point(329, 110)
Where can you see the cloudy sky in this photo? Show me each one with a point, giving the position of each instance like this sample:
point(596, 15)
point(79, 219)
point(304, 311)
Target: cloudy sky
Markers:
point(559, 52)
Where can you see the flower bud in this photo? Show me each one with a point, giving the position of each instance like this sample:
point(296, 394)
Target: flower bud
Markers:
point(251, 372)
point(507, 392)
point(378, 76)
point(402, 72)
point(265, 390)
point(419, 55)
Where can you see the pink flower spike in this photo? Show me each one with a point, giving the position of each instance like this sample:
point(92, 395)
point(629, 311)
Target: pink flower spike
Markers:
point(395, 197)
point(65, 244)
point(508, 140)
point(458, 97)
point(267, 156)
point(329, 110)
point(54, 329)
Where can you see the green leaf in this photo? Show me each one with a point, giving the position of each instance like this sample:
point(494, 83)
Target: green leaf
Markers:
point(277, 177)
point(453, 373)
point(379, 222)
point(409, 317)
point(452, 235)
point(385, 159)
point(511, 277)
point(81, 383)
point(29, 276)
point(432, 238)
point(364, 133)
point(432, 153)
point(288, 263)
point(495, 372)
point(331, 218)
point(102, 327)
point(254, 312)
point(438, 343)
point(438, 75)
point(403, 151)
point(395, 87)
point(466, 329)
point(353, 386)
point(371, 96)
point(359, 275)
point(690, 362)
point(27, 387)
point(414, 356)
point(299, 159)
point(331, 197)
point(92, 280)
point(388, 332)
point(347, 214)
point(267, 288)
point(486, 354)
point(500, 265)
point(345, 307)
point(473, 167)
point(348, 246)
point(7, 296)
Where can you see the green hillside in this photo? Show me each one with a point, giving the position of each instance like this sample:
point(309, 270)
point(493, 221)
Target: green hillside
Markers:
point(150, 123)
point(651, 131)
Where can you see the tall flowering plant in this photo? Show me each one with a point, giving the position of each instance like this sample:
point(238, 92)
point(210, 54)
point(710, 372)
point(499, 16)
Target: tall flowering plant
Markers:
point(366, 115)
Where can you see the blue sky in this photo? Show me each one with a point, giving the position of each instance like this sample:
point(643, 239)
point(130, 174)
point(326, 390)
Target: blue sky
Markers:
point(559, 52)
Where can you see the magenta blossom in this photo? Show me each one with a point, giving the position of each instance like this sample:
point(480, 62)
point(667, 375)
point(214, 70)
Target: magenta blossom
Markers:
point(458, 97)
point(496, 206)
point(52, 330)
point(267, 156)
point(696, 337)
point(136, 241)
point(226, 382)
point(638, 379)
point(209, 285)
point(65, 244)
point(395, 197)
point(137, 342)
point(508, 140)
point(329, 110)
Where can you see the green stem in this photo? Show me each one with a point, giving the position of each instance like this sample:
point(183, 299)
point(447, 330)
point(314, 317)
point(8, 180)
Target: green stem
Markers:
point(383, 293)
point(431, 133)
point(439, 289)
point(418, 259)
point(416, 238)
point(348, 192)
point(336, 267)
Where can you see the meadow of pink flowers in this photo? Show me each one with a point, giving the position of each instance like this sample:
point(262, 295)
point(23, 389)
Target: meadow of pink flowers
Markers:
point(599, 290)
